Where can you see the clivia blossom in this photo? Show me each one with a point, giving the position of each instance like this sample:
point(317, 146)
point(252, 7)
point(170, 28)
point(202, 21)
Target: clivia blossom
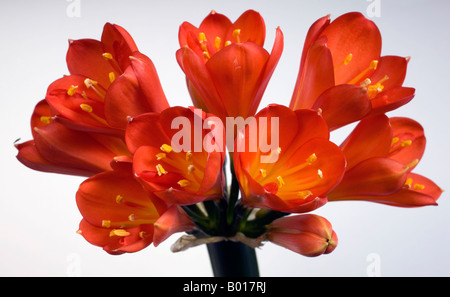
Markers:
point(343, 73)
point(305, 166)
point(381, 153)
point(155, 170)
point(227, 69)
point(108, 82)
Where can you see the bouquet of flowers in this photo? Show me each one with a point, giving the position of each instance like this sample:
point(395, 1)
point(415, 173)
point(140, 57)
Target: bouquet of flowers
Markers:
point(226, 172)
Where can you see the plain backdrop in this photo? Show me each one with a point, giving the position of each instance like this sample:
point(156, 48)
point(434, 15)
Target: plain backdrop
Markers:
point(38, 214)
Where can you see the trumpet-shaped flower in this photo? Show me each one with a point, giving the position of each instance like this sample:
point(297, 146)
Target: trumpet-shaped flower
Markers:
point(226, 66)
point(299, 172)
point(121, 217)
point(58, 149)
point(178, 154)
point(110, 80)
point(309, 235)
point(343, 73)
point(381, 153)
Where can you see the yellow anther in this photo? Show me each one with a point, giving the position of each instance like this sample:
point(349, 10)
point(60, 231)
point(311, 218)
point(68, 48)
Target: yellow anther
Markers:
point(348, 59)
point(160, 170)
point(112, 77)
point(405, 143)
point(206, 55)
point(86, 107)
point(412, 164)
point(227, 43)
point(373, 64)
point(189, 156)
point(319, 173)
point(366, 82)
point(71, 90)
point(119, 199)
point(263, 172)
point(107, 56)
point(183, 183)
point(160, 156)
point(106, 223)
point(385, 78)
point(201, 37)
point(236, 34)
point(395, 140)
point(280, 181)
point(166, 148)
point(304, 194)
point(311, 159)
point(419, 187)
point(90, 83)
point(142, 234)
point(119, 232)
point(45, 120)
point(408, 182)
point(217, 42)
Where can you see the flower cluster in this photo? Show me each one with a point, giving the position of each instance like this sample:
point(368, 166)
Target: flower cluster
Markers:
point(154, 170)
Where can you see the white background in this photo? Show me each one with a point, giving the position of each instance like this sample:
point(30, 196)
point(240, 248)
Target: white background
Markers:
point(38, 214)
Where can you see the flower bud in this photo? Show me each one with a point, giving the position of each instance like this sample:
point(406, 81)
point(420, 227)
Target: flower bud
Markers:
point(309, 235)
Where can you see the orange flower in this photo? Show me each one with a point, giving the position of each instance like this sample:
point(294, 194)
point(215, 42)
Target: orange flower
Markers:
point(343, 73)
point(56, 148)
point(301, 170)
point(110, 80)
point(381, 153)
point(172, 160)
point(226, 66)
point(120, 216)
point(309, 235)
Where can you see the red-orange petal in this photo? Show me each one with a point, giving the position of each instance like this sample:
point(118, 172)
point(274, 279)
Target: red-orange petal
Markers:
point(391, 99)
point(343, 104)
point(354, 34)
point(317, 75)
point(410, 140)
point(85, 57)
point(172, 221)
point(252, 28)
point(371, 177)
point(372, 137)
point(119, 43)
point(235, 72)
point(394, 68)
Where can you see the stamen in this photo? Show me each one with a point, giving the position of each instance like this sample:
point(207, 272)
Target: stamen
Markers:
point(373, 65)
point(319, 173)
point(132, 217)
point(206, 55)
point(408, 183)
point(217, 42)
point(166, 148)
point(106, 223)
point(366, 82)
point(348, 59)
point(394, 140)
point(87, 108)
point(119, 199)
point(189, 156)
point(107, 56)
point(160, 156)
point(160, 170)
point(227, 43)
point(311, 159)
point(412, 164)
point(304, 194)
point(93, 84)
point(280, 181)
point(119, 232)
point(263, 172)
point(71, 90)
point(112, 77)
point(405, 143)
point(236, 34)
point(191, 168)
point(45, 120)
point(183, 183)
point(419, 187)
